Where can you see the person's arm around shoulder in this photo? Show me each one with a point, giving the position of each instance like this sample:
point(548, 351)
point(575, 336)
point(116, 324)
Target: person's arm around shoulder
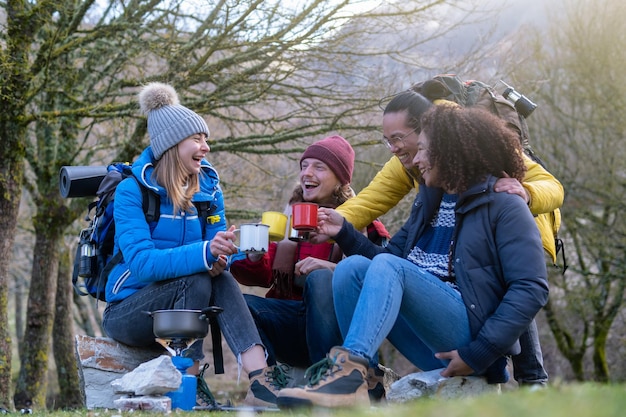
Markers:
point(545, 191)
point(383, 193)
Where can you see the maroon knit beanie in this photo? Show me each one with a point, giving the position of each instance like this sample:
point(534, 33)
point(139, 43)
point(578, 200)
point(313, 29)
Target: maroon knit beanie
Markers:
point(335, 152)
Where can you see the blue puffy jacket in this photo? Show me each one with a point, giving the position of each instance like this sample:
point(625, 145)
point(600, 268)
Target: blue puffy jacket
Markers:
point(173, 247)
point(498, 262)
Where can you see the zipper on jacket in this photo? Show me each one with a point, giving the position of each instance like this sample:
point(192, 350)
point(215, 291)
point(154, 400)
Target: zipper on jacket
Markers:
point(184, 228)
point(450, 254)
point(457, 226)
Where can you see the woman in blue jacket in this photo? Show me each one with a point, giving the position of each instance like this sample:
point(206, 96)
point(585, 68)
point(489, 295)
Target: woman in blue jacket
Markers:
point(457, 285)
point(172, 263)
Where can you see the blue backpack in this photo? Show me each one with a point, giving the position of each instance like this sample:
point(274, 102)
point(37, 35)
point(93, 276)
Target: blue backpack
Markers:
point(94, 260)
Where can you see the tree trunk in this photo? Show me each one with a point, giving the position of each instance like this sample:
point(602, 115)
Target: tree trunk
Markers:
point(63, 343)
point(87, 315)
point(15, 77)
point(32, 382)
point(11, 177)
point(18, 300)
point(566, 343)
point(10, 186)
point(601, 329)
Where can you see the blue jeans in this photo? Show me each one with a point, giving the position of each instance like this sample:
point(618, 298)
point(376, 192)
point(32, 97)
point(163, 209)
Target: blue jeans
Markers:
point(127, 321)
point(528, 365)
point(298, 333)
point(390, 297)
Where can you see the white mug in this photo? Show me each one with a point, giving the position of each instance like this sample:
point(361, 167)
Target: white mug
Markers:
point(253, 237)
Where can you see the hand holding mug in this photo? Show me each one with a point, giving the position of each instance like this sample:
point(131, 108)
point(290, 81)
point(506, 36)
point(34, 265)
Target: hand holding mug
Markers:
point(222, 243)
point(329, 222)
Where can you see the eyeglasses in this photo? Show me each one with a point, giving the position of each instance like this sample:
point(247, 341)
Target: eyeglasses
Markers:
point(390, 142)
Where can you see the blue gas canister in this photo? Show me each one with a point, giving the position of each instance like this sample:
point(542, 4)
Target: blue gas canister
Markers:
point(185, 396)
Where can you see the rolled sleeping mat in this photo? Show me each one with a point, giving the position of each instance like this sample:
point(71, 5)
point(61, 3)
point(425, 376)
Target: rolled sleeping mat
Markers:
point(80, 181)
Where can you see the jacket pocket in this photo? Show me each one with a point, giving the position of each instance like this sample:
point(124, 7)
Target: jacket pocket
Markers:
point(119, 283)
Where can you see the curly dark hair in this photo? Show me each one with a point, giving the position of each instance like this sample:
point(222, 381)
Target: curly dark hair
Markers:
point(468, 143)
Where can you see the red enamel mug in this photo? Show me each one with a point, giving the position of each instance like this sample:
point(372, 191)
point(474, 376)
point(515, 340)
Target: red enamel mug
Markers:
point(304, 216)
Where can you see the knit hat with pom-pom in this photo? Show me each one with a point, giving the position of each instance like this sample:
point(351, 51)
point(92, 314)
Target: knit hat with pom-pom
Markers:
point(169, 123)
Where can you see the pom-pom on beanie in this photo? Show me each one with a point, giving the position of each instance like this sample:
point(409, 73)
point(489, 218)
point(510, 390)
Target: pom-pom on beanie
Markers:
point(335, 152)
point(169, 123)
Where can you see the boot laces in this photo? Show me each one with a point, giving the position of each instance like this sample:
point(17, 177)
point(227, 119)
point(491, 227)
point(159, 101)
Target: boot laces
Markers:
point(321, 370)
point(278, 376)
point(203, 391)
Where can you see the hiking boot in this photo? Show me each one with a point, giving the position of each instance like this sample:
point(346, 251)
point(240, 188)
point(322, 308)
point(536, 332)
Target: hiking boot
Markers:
point(376, 384)
point(264, 386)
point(336, 381)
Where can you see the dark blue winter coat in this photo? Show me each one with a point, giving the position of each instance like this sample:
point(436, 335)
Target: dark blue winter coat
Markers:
point(498, 262)
point(173, 247)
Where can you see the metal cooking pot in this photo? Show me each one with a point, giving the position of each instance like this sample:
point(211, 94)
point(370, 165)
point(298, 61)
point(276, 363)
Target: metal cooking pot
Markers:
point(183, 324)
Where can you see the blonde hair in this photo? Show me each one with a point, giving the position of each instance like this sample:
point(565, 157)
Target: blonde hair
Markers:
point(171, 175)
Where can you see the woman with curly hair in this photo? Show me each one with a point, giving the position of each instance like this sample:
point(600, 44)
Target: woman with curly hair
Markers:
point(456, 286)
point(540, 190)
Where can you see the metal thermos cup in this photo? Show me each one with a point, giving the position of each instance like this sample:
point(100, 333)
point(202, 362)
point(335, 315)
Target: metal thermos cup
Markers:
point(87, 258)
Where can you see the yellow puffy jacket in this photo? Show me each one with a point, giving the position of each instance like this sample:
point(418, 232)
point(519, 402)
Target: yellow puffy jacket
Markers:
point(393, 182)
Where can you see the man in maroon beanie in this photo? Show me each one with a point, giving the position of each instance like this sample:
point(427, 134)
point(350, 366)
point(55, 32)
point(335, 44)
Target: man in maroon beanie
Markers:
point(296, 318)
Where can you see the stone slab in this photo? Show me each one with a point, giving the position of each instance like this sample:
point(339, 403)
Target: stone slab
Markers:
point(102, 360)
point(431, 384)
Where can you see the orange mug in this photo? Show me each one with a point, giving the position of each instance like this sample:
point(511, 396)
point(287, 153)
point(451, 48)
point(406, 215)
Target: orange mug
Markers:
point(304, 216)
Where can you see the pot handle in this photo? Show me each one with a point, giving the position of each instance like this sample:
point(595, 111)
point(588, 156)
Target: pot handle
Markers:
point(148, 313)
point(211, 311)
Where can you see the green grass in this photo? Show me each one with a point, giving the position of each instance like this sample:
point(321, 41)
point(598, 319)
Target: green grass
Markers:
point(563, 400)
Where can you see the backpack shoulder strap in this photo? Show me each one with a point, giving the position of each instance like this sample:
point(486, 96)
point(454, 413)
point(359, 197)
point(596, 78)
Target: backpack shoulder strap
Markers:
point(151, 203)
point(151, 208)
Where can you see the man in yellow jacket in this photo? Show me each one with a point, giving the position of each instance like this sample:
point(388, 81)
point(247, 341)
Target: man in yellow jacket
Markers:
point(543, 193)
